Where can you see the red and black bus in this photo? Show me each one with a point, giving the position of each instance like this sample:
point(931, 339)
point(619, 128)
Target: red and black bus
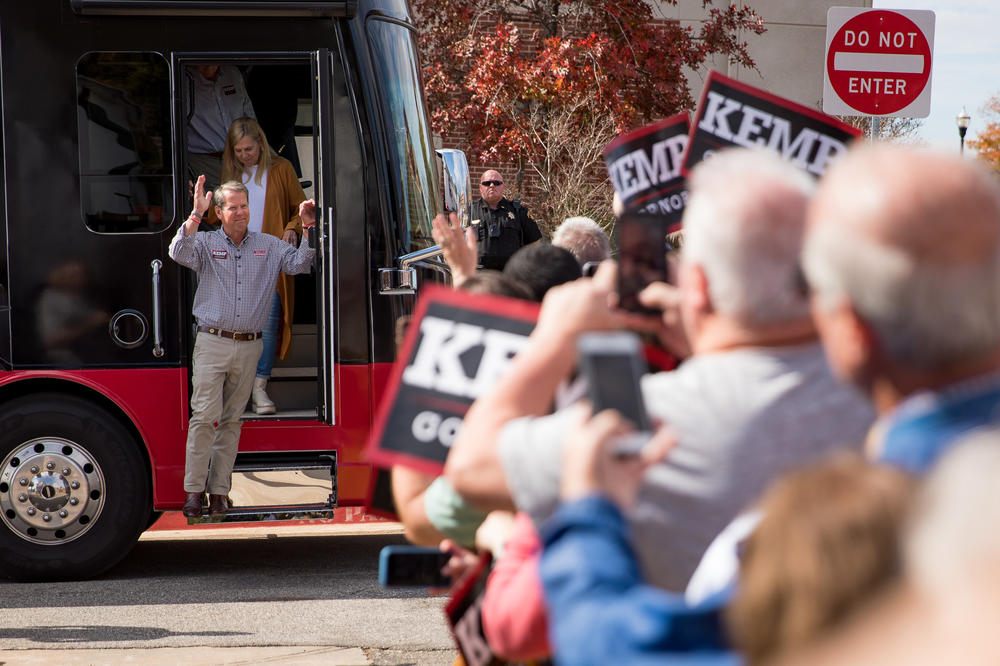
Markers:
point(96, 331)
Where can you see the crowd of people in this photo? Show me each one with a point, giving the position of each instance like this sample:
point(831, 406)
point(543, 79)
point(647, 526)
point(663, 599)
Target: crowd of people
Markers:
point(818, 486)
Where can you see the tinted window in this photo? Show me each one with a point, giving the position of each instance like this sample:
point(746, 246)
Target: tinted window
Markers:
point(123, 116)
point(411, 165)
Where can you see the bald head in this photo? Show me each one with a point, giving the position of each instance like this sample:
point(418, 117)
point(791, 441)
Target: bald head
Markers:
point(935, 208)
point(491, 187)
point(911, 238)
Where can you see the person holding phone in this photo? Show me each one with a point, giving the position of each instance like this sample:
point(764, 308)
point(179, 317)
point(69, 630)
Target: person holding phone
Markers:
point(754, 398)
point(502, 226)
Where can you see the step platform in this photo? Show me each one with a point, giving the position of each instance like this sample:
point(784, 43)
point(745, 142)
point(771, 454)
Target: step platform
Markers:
point(280, 486)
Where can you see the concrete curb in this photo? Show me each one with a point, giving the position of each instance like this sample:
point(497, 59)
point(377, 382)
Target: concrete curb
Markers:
point(192, 656)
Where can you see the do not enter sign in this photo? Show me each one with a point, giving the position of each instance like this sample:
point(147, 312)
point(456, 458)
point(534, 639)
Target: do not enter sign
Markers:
point(878, 62)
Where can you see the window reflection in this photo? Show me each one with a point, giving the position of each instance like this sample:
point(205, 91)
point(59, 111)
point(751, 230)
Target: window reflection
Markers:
point(123, 116)
point(411, 165)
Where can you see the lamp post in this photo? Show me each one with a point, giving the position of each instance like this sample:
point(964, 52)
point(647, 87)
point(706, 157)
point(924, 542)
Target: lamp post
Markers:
point(962, 120)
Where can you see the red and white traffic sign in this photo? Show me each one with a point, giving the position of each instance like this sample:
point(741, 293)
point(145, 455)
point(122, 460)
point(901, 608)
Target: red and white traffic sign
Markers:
point(878, 62)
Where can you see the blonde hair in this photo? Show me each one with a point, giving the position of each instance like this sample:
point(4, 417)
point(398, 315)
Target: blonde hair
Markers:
point(829, 539)
point(232, 168)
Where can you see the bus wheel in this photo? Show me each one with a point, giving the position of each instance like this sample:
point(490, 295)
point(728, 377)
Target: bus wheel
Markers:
point(74, 489)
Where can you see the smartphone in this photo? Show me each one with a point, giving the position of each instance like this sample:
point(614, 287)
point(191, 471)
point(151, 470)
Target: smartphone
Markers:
point(613, 366)
point(412, 566)
point(642, 256)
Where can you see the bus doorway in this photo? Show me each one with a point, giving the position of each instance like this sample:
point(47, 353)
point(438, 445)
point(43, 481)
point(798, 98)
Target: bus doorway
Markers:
point(282, 95)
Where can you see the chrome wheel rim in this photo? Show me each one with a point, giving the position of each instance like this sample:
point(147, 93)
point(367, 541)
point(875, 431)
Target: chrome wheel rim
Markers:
point(51, 491)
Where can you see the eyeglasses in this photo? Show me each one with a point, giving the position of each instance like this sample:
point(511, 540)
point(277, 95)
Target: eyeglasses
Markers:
point(487, 183)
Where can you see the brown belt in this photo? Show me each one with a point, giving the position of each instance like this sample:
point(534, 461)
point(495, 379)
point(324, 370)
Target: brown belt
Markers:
point(240, 337)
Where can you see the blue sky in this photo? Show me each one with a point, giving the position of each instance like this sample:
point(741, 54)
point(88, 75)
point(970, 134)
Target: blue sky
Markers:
point(966, 68)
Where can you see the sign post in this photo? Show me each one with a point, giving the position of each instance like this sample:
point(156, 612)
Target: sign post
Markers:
point(878, 62)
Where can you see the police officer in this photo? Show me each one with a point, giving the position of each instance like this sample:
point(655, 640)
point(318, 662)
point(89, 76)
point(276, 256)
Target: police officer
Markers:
point(503, 226)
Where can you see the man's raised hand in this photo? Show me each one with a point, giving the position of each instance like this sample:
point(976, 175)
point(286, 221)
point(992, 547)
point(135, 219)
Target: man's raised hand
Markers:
point(202, 199)
point(307, 212)
point(460, 247)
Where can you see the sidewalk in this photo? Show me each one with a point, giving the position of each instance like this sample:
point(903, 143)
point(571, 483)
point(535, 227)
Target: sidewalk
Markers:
point(191, 656)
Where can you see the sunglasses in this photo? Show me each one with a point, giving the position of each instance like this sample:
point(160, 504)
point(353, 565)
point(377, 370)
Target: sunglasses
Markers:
point(487, 183)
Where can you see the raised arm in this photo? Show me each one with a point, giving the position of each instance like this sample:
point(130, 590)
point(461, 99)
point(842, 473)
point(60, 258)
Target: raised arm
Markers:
point(202, 202)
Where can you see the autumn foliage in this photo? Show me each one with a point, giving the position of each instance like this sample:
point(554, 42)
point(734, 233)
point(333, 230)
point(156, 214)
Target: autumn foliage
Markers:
point(987, 141)
point(519, 79)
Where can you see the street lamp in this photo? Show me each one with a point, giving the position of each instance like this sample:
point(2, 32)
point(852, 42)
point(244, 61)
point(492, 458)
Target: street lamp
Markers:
point(962, 120)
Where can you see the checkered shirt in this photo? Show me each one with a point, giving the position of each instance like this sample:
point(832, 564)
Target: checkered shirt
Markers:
point(237, 282)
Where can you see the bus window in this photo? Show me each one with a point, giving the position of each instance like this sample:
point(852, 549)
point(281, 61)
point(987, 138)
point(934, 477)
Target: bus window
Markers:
point(123, 118)
point(411, 165)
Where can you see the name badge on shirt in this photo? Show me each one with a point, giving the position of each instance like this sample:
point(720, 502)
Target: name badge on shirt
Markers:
point(260, 253)
point(229, 90)
point(219, 254)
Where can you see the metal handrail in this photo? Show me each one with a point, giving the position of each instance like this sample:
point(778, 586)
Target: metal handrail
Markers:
point(157, 332)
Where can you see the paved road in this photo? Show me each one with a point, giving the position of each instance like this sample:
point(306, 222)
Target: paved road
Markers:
point(240, 596)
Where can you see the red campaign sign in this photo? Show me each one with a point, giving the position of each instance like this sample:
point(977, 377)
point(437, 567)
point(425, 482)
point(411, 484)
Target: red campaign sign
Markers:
point(879, 62)
point(457, 344)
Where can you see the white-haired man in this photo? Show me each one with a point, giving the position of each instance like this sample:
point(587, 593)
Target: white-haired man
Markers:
point(754, 399)
point(903, 258)
point(584, 238)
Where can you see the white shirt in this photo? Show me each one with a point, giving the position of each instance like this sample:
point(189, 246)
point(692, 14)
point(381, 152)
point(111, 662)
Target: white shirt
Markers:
point(256, 199)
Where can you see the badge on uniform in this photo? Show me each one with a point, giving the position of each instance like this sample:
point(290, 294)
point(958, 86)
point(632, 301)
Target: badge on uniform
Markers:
point(219, 254)
point(260, 253)
point(229, 90)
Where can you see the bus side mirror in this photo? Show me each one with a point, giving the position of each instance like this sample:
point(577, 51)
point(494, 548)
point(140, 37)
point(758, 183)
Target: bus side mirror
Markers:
point(457, 187)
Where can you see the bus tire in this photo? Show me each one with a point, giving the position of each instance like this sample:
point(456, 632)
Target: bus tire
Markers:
point(74, 489)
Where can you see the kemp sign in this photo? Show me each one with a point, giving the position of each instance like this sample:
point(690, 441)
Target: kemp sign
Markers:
point(645, 168)
point(732, 113)
point(456, 347)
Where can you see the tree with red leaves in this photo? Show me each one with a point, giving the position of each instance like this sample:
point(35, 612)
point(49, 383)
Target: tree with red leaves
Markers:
point(545, 84)
point(987, 141)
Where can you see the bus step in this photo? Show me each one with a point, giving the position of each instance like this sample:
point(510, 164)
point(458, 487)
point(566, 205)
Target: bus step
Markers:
point(253, 514)
point(280, 486)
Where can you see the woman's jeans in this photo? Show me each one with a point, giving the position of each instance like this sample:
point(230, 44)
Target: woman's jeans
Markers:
point(270, 339)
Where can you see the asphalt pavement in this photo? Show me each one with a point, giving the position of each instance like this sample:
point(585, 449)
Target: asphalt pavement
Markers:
point(243, 607)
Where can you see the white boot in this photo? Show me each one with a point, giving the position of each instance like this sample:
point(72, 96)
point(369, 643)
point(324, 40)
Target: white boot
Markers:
point(262, 404)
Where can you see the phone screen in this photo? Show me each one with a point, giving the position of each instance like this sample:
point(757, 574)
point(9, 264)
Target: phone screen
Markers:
point(642, 256)
point(613, 367)
point(412, 566)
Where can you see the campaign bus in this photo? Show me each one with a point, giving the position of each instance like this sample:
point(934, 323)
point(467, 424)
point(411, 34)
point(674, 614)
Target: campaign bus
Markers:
point(96, 332)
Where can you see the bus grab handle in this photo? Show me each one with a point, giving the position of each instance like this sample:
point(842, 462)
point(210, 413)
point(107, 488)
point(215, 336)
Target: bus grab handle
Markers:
point(157, 333)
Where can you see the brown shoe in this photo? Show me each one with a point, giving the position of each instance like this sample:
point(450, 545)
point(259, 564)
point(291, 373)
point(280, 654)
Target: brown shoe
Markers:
point(193, 505)
point(218, 505)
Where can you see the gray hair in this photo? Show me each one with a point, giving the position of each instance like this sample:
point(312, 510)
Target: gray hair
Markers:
point(926, 313)
point(584, 238)
point(219, 197)
point(743, 224)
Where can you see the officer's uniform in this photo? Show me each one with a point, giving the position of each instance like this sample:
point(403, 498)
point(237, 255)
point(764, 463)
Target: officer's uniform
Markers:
point(502, 231)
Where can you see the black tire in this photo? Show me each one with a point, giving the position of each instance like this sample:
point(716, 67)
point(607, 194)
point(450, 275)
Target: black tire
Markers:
point(74, 489)
point(153, 517)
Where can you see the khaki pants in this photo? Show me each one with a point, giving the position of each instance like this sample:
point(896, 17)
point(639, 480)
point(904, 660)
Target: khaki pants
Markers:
point(221, 383)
